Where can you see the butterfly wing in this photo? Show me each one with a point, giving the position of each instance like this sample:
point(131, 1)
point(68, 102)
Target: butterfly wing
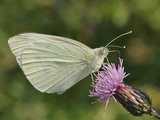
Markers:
point(52, 64)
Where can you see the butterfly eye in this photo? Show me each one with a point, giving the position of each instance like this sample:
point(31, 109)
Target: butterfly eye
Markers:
point(105, 51)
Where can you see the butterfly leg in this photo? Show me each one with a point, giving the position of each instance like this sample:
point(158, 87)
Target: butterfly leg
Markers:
point(106, 63)
point(107, 60)
point(92, 77)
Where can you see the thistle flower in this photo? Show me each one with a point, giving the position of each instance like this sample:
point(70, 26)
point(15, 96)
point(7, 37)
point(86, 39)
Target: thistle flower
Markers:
point(109, 83)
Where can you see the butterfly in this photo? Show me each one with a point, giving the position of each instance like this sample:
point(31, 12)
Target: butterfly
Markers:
point(53, 64)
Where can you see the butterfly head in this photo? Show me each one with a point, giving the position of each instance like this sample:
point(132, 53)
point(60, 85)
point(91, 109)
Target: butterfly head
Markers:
point(103, 52)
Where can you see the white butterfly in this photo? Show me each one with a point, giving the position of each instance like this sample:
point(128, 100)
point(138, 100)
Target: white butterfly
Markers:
point(53, 64)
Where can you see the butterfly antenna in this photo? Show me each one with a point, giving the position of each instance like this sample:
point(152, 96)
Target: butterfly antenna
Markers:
point(118, 37)
point(116, 46)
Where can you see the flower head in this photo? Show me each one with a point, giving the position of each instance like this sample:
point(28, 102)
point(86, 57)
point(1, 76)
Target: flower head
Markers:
point(108, 81)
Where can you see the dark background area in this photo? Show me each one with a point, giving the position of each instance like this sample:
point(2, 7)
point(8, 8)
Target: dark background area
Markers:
point(93, 23)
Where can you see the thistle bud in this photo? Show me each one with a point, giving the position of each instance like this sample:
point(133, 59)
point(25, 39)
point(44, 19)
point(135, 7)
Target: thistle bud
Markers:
point(135, 101)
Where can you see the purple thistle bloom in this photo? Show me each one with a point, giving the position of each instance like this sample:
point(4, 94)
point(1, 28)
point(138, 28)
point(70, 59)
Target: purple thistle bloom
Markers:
point(108, 81)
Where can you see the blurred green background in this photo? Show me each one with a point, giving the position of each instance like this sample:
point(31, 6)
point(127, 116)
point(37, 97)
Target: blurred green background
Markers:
point(94, 23)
